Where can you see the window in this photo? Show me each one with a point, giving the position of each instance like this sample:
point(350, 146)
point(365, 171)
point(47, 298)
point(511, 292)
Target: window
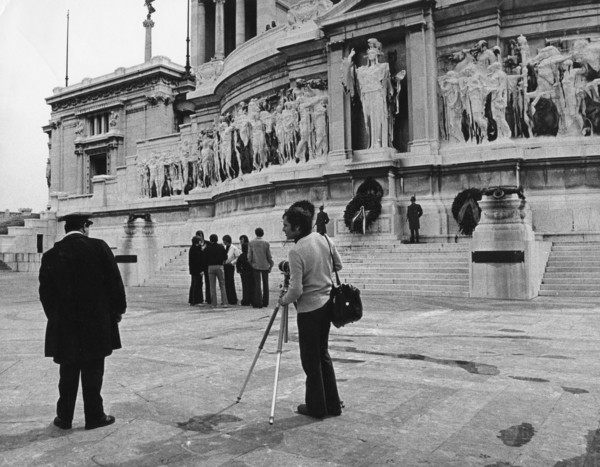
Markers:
point(98, 124)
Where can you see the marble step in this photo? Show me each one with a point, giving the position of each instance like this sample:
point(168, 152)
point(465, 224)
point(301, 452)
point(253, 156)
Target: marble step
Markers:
point(575, 286)
point(569, 293)
point(568, 280)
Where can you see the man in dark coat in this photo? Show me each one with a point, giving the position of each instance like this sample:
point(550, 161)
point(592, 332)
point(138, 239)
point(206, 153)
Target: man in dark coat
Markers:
point(413, 213)
point(196, 271)
point(83, 298)
point(322, 221)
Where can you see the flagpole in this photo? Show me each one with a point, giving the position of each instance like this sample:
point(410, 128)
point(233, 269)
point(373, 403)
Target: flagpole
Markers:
point(67, 60)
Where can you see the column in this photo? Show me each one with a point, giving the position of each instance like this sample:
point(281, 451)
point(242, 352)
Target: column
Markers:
point(240, 22)
point(219, 29)
point(148, 24)
point(198, 34)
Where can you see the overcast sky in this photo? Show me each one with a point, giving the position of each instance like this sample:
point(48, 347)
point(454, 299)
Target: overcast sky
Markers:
point(103, 35)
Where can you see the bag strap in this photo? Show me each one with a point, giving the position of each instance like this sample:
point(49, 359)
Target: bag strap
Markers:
point(337, 278)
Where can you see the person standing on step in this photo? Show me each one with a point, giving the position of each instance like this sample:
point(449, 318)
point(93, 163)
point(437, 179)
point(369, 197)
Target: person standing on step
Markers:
point(311, 268)
point(259, 256)
point(196, 272)
point(245, 271)
point(215, 256)
point(233, 253)
point(83, 297)
point(203, 244)
point(322, 220)
point(414, 212)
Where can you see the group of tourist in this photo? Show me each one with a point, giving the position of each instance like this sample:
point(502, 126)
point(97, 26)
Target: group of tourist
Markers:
point(211, 262)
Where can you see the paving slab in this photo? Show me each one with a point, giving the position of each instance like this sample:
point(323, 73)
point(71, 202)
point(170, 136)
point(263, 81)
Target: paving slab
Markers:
point(426, 381)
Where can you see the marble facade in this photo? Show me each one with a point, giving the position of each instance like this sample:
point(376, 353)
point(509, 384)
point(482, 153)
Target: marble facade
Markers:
point(475, 94)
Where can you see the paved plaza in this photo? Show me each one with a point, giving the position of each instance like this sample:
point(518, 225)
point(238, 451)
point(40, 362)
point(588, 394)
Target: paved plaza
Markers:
point(425, 381)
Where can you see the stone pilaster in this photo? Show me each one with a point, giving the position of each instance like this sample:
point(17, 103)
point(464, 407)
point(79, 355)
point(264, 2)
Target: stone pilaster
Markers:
point(219, 29)
point(240, 22)
point(422, 89)
point(340, 131)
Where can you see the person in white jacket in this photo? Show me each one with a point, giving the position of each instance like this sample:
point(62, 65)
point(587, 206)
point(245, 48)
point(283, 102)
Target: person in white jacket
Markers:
point(311, 268)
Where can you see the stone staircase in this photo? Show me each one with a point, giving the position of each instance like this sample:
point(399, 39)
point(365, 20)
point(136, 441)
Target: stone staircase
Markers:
point(430, 269)
point(573, 269)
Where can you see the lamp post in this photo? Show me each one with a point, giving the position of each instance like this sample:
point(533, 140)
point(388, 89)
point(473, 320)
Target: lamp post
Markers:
point(187, 40)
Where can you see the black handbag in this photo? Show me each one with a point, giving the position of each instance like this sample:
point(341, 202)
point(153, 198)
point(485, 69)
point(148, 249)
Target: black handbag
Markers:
point(345, 303)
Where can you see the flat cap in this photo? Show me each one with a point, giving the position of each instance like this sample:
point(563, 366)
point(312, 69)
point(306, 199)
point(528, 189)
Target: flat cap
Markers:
point(81, 216)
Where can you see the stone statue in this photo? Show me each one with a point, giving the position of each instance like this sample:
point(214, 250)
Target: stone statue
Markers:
point(304, 103)
point(321, 128)
point(497, 86)
point(113, 119)
point(375, 90)
point(79, 128)
point(449, 86)
point(259, 142)
point(48, 173)
point(226, 134)
point(290, 119)
point(473, 94)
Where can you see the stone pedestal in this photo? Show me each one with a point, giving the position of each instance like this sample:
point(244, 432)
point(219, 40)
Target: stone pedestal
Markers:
point(139, 251)
point(506, 260)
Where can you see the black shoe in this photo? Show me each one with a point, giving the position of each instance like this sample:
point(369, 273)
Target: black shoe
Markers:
point(302, 409)
point(62, 424)
point(102, 421)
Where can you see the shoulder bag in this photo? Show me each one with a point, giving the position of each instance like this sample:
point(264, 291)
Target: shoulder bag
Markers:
point(345, 303)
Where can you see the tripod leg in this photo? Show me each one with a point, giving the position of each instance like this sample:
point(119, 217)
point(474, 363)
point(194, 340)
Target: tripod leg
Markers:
point(260, 347)
point(282, 337)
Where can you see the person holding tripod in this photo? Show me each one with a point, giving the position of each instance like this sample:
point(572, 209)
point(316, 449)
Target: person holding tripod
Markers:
point(309, 288)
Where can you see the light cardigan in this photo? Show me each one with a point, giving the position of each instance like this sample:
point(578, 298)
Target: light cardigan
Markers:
point(311, 272)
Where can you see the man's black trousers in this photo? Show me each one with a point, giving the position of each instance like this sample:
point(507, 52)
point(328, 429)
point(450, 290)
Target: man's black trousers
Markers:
point(92, 374)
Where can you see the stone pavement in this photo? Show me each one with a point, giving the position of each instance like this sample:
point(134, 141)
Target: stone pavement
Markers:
point(425, 381)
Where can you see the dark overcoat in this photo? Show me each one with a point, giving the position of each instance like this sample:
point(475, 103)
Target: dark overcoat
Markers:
point(83, 297)
point(413, 213)
point(195, 260)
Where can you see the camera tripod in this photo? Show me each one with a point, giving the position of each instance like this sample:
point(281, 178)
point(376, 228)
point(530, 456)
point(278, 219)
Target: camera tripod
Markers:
point(283, 337)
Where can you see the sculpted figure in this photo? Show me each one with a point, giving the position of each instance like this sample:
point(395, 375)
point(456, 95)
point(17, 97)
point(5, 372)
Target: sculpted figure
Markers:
point(242, 124)
point(79, 128)
point(572, 99)
point(153, 165)
point(259, 143)
point(226, 134)
point(280, 133)
point(113, 119)
point(289, 116)
point(144, 178)
point(449, 85)
point(207, 161)
point(473, 94)
point(304, 103)
point(498, 88)
point(321, 127)
point(48, 173)
point(375, 89)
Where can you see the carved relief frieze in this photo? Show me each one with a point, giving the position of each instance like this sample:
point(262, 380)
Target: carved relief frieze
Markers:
point(286, 128)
